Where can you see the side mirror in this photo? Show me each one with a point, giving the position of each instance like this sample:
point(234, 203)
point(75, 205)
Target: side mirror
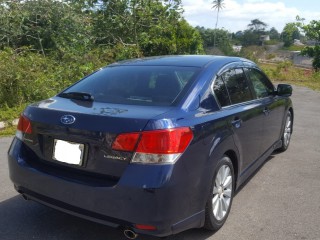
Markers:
point(284, 90)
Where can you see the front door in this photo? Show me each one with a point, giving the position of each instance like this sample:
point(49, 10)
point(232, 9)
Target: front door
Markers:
point(273, 108)
point(245, 115)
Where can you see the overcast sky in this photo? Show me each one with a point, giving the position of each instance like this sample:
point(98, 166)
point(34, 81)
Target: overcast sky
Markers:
point(237, 14)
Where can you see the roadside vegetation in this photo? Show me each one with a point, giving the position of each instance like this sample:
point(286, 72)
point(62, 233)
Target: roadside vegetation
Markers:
point(285, 72)
point(46, 45)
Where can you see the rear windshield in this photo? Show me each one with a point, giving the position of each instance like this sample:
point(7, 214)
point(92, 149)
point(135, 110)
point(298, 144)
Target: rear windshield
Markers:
point(137, 85)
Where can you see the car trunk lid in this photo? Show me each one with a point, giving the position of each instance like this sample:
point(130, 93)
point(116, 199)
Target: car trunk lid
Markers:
point(93, 131)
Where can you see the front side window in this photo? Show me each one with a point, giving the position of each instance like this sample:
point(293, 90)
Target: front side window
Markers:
point(137, 85)
point(237, 86)
point(261, 85)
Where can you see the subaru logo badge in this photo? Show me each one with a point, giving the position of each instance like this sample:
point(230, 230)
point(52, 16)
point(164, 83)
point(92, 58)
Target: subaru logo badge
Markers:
point(67, 119)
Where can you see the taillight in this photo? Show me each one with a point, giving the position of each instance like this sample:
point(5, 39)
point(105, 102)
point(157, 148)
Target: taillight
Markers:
point(165, 141)
point(158, 146)
point(24, 125)
point(126, 142)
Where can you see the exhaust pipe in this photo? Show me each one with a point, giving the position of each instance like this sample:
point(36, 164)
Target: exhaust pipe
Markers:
point(25, 197)
point(21, 192)
point(130, 234)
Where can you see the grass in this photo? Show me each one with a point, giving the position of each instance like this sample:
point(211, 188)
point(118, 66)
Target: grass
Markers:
point(8, 131)
point(294, 48)
point(286, 73)
point(7, 115)
point(283, 72)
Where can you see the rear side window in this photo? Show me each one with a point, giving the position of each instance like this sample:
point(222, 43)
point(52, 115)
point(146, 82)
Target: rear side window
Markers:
point(137, 85)
point(261, 85)
point(237, 86)
point(221, 92)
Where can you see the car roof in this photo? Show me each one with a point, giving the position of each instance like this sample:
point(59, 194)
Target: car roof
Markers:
point(179, 60)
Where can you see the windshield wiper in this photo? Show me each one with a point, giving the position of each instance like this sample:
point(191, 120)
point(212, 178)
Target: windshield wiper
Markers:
point(77, 95)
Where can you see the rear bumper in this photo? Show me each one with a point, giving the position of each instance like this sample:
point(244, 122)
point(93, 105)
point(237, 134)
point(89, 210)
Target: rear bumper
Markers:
point(147, 195)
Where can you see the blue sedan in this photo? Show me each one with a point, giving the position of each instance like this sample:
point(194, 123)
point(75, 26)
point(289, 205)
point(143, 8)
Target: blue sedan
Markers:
point(153, 145)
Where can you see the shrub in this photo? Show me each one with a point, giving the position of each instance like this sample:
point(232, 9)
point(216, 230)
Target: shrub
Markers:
point(29, 77)
point(271, 42)
point(270, 56)
point(252, 52)
point(294, 48)
point(25, 77)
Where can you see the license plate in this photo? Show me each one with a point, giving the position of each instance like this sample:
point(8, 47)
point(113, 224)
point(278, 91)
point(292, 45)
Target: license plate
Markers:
point(68, 152)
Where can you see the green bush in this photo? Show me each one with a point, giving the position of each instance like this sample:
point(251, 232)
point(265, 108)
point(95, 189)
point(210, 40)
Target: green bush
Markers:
point(25, 77)
point(294, 48)
point(272, 42)
point(9, 114)
point(29, 77)
point(252, 52)
point(270, 56)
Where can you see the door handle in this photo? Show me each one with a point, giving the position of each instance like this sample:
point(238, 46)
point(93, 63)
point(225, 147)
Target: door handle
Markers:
point(266, 111)
point(236, 122)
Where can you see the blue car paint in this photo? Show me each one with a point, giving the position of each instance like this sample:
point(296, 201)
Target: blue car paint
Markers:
point(119, 193)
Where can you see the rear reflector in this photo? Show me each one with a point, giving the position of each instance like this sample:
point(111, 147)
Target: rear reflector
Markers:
point(24, 125)
point(145, 227)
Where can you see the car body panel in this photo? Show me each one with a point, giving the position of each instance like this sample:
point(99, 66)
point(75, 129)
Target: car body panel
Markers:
point(108, 187)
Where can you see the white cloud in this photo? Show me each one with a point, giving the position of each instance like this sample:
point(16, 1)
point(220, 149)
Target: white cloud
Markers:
point(236, 16)
point(254, 1)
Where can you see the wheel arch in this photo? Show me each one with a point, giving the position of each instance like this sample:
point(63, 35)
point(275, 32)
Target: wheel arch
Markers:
point(234, 159)
point(292, 115)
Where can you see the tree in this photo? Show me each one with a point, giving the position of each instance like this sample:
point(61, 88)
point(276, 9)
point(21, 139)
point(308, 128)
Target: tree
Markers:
point(44, 26)
point(250, 38)
point(69, 28)
point(312, 31)
point(188, 39)
point(289, 33)
point(252, 35)
point(223, 41)
point(257, 26)
point(152, 27)
point(274, 34)
point(218, 5)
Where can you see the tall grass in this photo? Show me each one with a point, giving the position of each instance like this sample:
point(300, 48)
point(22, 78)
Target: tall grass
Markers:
point(286, 72)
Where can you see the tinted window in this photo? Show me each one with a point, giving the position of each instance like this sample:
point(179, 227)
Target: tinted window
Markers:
point(261, 85)
point(221, 92)
point(237, 86)
point(138, 85)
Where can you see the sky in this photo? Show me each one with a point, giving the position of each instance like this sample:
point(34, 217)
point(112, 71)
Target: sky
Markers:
point(237, 14)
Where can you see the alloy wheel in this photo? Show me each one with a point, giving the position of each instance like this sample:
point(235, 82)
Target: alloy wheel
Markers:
point(287, 131)
point(222, 192)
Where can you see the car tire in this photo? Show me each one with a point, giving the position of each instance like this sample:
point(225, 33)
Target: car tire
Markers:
point(221, 195)
point(286, 134)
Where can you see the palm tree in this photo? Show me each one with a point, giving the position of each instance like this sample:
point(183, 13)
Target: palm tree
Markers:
point(218, 5)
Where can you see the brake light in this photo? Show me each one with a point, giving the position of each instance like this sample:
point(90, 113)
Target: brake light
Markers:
point(158, 146)
point(24, 125)
point(165, 141)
